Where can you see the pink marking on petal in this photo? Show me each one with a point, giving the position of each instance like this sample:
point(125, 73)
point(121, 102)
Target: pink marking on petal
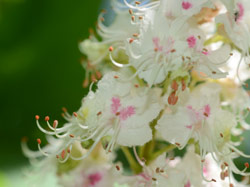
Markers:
point(157, 46)
point(207, 110)
point(189, 126)
point(94, 178)
point(191, 40)
point(186, 5)
point(241, 11)
point(127, 112)
point(116, 103)
point(188, 184)
point(205, 53)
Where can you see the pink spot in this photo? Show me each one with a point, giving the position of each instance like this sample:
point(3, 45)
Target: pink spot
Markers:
point(189, 126)
point(207, 110)
point(191, 40)
point(127, 112)
point(241, 12)
point(94, 178)
point(186, 5)
point(205, 53)
point(116, 103)
point(157, 46)
point(188, 184)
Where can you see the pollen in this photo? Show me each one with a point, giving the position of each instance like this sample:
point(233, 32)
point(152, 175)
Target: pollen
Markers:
point(37, 117)
point(47, 118)
point(39, 141)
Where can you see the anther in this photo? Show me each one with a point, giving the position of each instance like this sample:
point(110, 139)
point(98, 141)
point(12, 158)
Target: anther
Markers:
point(140, 17)
point(39, 141)
point(116, 77)
point(135, 34)
point(130, 11)
point(222, 175)
point(221, 135)
point(183, 58)
point(137, 2)
point(37, 117)
point(71, 136)
point(75, 114)
point(93, 78)
point(231, 185)
point(154, 179)
point(199, 37)
point(177, 144)
point(98, 74)
point(213, 180)
point(85, 83)
point(117, 167)
point(136, 85)
point(213, 72)
point(57, 156)
point(68, 150)
point(174, 85)
point(173, 50)
point(117, 113)
point(231, 54)
point(102, 19)
point(46, 118)
point(111, 48)
point(64, 109)
point(133, 18)
point(131, 40)
point(246, 165)
point(203, 160)
point(63, 154)
point(157, 170)
point(99, 113)
point(226, 164)
point(55, 123)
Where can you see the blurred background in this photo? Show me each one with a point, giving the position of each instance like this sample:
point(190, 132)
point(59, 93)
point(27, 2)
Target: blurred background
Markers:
point(40, 69)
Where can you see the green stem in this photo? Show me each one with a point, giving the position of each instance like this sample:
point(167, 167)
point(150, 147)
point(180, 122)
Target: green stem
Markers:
point(134, 165)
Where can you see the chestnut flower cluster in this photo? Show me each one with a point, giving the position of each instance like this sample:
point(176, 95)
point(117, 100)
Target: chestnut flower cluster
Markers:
point(164, 75)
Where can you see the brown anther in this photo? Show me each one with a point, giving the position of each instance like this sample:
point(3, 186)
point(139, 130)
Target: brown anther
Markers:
point(109, 151)
point(117, 167)
point(131, 40)
point(246, 85)
point(232, 150)
point(222, 176)
point(199, 37)
point(226, 164)
point(189, 58)
point(64, 109)
point(172, 99)
point(172, 158)
point(39, 141)
point(135, 34)
point(68, 150)
point(130, 11)
point(93, 78)
point(246, 165)
point(154, 179)
point(46, 118)
point(205, 50)
point(37, 117)
point(226, 173)
point(75, 114)
point(183, 58)
point(24, 139)
point(231, 185)
point(63, 115)
point(174, 85)
point(248, 109)
point(231, 54)
point(71, 136)
point(140, 17)
point(98, 74)
point(133, 18)
point(99, 113)
point(221, 135)
point(157, 170)
point(173, 50)
point(55, 123)
point(111, 48)
point(203, 160)
point(116, 77)
point(222, 166)
point(102, 19)
point(63, 154)
point(57, 156)
point(213, 180)
point(137, 2)
point(177, 144)
point(213, 72)
point(117, 113)
point(85, 83)
point(205, 114)
point(136, 85)
point(162, 171)
point(183, 85)
point(156, 49)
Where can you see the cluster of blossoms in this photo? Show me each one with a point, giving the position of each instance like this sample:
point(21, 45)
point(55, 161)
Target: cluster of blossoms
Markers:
point(164, 75)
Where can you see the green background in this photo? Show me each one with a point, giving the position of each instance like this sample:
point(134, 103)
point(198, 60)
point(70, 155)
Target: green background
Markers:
point(40, 69)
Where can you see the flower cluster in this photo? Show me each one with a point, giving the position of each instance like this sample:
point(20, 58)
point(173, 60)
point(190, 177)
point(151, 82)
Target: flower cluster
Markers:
point(164, 75)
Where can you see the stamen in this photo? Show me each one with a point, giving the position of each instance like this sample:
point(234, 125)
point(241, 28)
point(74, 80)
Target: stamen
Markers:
point(39, 141)
point(117, 167)
point(47, 118)
point(37, 117)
